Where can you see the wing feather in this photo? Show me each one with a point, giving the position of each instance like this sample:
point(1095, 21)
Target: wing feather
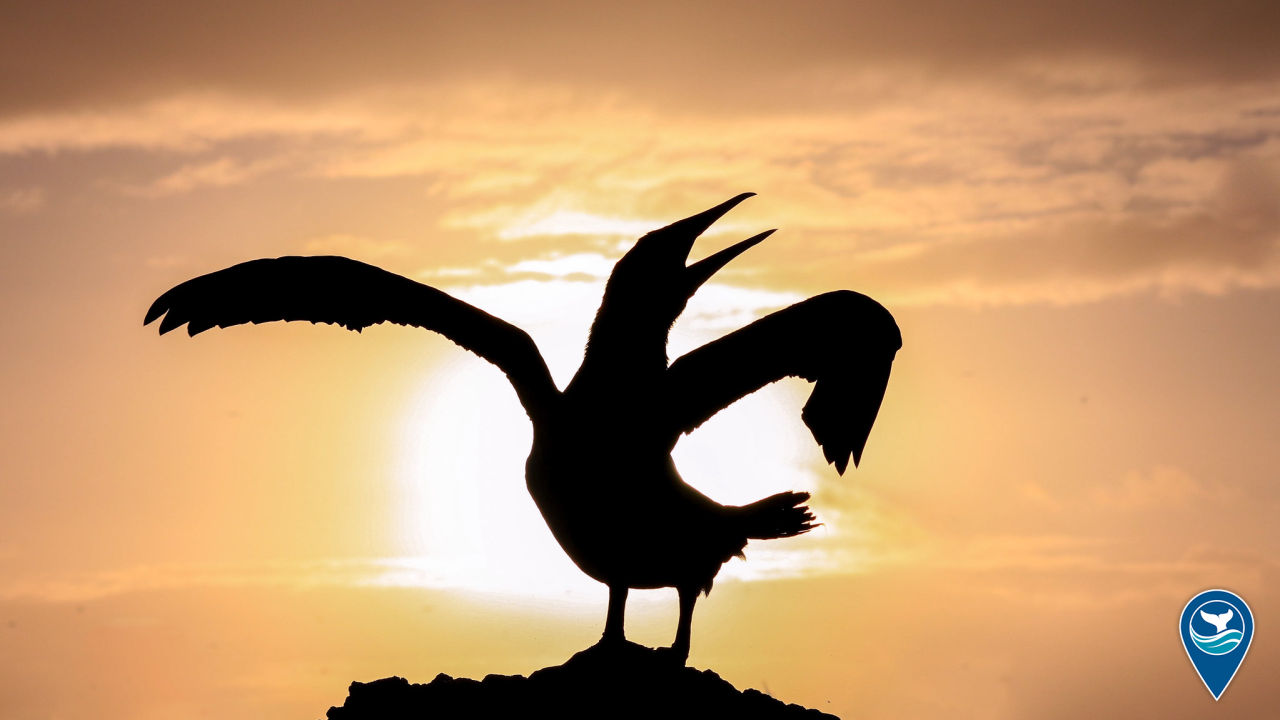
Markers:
point(842, 341)
point(355, 295)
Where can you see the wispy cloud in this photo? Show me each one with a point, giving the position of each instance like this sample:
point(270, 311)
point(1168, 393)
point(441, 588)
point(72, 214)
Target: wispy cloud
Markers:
point(72, 587)
point(185, 122)
point(588, 265)
point(962, 193)
point(223, 172)
point(20, 201)
point(570, 222)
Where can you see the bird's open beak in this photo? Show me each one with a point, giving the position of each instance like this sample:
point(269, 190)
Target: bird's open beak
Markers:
point(676, 241)
point(701, 271)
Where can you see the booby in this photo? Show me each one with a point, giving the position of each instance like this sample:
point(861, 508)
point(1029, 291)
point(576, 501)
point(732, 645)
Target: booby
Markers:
point(600, 467)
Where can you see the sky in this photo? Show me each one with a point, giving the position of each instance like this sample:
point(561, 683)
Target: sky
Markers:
point(1071, 208)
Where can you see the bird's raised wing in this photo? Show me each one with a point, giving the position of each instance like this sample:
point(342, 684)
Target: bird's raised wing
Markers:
point(354, 295)
point(843, 341)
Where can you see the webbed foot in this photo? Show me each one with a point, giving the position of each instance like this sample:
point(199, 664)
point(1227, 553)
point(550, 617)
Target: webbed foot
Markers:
point(612, 640)
point(674, 655)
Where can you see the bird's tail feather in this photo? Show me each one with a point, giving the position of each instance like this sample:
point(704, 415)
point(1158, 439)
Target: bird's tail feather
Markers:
point(777, 516)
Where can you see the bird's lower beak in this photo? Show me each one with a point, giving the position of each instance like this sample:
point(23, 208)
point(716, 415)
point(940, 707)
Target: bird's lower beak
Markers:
point(701, 271)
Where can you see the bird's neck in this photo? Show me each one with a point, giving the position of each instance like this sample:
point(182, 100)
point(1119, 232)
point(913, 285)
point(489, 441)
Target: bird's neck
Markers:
point(623, 354)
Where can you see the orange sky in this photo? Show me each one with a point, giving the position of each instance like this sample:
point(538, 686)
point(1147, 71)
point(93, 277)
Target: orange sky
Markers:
point(1072, 209)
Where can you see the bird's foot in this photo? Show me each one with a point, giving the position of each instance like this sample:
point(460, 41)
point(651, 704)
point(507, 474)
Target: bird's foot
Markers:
point(674, 655)
point(612, 640)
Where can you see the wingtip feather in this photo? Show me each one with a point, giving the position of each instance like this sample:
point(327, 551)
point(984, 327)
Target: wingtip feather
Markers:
point(170, 322)
point(842, 464)
point(162, 305)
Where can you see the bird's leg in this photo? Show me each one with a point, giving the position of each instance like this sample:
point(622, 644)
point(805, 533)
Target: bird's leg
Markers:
point(680, 648)
point(617, 608)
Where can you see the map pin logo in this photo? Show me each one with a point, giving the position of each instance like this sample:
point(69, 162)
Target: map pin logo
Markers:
point(1217, 627)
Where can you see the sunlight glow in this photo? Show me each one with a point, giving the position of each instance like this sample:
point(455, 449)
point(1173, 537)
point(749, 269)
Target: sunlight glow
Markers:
point(592, 264)
point(570, 222)
point(467, 516)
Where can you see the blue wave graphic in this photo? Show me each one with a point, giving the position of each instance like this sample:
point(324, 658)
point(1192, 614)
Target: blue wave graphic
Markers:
point(1220, 644)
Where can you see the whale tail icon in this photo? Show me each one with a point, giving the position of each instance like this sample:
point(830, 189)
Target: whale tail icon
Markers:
point(1218, 621)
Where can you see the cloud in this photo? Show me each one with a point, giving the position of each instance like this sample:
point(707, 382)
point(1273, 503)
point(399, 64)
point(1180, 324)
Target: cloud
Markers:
point(1207, 252)
point(192, 122)
point(1028, 552)
point(1225, 239)
point(960, 192)
point(589, 265)
point(223, 172)
point(712, 53)
point(72, 587)
point(568, 222)
point(1162, 486)
point(20, 201)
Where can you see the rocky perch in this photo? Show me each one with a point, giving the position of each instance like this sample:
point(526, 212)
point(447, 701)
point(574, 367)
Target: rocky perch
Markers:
point(623, 681)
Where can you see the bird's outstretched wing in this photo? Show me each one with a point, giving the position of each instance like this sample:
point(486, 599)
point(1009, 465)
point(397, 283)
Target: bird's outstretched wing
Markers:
point(354, 295)
point(843, 341)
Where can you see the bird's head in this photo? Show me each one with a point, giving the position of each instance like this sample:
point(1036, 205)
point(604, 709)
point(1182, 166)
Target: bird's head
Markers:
point(653, 280)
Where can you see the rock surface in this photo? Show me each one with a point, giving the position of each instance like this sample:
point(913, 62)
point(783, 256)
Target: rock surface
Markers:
point(620, 681)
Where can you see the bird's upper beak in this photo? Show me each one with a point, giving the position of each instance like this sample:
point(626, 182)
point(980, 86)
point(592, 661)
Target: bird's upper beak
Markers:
point(681, 235)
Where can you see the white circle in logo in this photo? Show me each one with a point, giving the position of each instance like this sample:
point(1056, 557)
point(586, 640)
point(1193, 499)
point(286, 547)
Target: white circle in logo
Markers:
point(1224, 639)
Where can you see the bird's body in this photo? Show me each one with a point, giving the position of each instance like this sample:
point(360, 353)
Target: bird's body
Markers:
point(600, 468)
point(612, 497)
point(601, 473)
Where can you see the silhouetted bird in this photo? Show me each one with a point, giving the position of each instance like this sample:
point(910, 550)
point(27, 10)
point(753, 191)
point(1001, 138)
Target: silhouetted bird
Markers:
point(600, 469)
